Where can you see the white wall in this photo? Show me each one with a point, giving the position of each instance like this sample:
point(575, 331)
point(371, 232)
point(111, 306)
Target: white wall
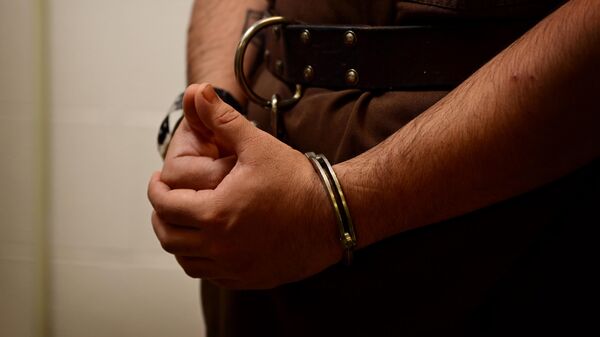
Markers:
point(113, 66)
point(19, 186)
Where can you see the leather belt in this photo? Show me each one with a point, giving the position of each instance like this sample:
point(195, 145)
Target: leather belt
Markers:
point(385, 58)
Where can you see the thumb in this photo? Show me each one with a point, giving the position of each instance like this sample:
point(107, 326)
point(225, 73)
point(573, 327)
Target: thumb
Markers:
point(230, 128)
point(190, 112)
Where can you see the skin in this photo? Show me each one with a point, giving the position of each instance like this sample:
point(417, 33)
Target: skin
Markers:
point(215, 29)
point(240, 208)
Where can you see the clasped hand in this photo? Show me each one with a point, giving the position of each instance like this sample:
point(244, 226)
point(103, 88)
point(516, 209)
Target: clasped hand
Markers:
point(235, 205)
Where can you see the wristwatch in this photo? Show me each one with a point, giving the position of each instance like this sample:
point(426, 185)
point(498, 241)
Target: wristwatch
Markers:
point(169, 125)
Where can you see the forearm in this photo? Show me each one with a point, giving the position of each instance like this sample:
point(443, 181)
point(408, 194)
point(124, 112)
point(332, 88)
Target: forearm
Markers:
point(524, 119)
point(214, 32)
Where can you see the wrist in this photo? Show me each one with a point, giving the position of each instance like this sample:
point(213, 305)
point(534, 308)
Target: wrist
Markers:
point(361, 201)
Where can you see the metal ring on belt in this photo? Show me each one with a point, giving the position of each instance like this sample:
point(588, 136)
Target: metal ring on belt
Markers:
point(239, 64)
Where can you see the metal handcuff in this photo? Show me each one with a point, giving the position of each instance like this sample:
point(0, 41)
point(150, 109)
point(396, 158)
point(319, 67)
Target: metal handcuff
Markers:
point(275, 104)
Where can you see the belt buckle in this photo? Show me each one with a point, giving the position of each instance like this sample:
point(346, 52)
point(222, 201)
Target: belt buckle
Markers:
point(274, 104)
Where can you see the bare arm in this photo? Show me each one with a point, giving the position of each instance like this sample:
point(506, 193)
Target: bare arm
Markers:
point(215, 29)
point(526, 118)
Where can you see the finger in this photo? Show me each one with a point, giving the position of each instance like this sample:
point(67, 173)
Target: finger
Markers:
point(187, 142)
point(197, 173)
point(232, 130)
point(182, 207)
point(180, 240)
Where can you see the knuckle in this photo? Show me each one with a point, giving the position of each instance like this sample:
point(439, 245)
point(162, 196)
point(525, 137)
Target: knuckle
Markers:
point(226, 115)
point(165, 212)
point(160, 209)
point(214, 178)
point(166, 241)
point(165, 238)
point(176, 172)
point(213, 216)
point(169, 179)
point(151, 195)
point(167, 175)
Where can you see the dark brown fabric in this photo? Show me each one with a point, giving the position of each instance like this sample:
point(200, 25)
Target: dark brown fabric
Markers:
point(521, 267)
